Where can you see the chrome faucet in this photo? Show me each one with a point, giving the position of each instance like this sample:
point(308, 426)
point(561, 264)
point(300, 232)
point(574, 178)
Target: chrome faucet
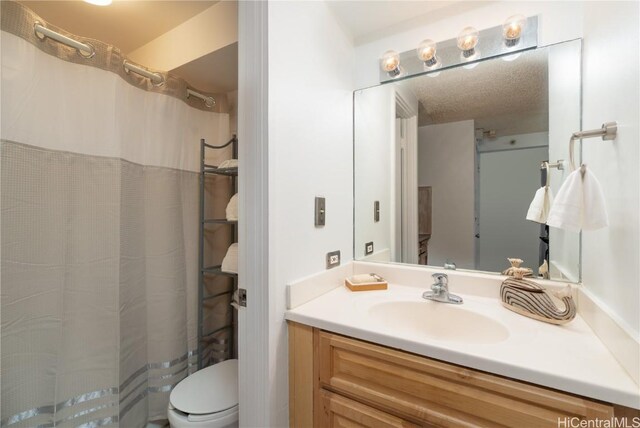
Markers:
point(440, 290)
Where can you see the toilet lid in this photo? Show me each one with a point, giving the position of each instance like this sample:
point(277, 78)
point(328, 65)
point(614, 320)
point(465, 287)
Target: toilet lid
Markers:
point(210, 390)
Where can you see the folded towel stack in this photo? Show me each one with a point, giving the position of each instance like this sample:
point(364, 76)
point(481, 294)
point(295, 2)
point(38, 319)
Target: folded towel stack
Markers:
point(230, 261)
point(580, 203)
point(541, 205)
point(232, 208)
point(229, 163)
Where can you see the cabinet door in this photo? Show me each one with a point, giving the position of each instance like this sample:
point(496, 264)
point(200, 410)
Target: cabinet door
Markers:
point(423, 390)
point(340, 412)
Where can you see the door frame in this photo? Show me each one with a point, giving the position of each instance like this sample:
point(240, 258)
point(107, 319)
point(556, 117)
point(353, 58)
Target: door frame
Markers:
point(406, 188)
point(253, 206)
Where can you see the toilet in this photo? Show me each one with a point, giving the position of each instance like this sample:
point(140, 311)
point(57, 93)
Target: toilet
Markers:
point(206, 399)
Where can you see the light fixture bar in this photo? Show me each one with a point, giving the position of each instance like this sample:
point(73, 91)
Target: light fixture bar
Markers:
point(491, 43)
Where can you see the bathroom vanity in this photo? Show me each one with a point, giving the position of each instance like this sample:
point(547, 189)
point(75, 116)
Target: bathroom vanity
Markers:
point(393, 359)
point(338, 381)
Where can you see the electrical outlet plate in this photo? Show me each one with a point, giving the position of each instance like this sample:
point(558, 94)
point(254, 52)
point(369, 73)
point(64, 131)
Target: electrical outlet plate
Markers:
point(320, 212)
point(333, 259)
point(368, 248)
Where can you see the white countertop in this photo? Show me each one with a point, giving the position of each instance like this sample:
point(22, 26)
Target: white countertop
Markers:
point(568, 358)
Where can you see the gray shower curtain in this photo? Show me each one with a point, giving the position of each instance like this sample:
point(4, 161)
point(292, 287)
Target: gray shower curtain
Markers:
point(98, 230)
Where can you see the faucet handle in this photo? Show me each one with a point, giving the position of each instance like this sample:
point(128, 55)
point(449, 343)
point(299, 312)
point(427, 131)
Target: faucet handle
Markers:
point(441, 278)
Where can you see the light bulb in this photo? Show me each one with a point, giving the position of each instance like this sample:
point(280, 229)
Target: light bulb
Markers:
point(512, 29)
point(467, 41)
point(390, 63)
point(427, 53)
point(99, 2)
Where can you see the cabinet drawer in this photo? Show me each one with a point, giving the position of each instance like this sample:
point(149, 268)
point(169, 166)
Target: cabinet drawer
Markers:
point(427, 391)
point(341, 412)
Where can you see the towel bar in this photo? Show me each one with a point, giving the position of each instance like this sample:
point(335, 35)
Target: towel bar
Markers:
point(608, 131)
point(546, 165)
point(559, 165)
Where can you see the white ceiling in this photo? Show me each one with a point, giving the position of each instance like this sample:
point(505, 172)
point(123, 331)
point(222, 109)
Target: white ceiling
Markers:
point(129, 24)
point(125, 24)
point(216, 72)
point(510, 97)
point(365, 21)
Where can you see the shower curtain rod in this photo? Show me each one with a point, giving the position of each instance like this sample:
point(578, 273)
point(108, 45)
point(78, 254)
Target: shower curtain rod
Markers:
point(84, 49)
point(88, 51)
point(155, 78)
point(208, 101)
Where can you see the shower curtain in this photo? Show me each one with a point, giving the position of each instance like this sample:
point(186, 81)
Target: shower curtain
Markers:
point(99, 232)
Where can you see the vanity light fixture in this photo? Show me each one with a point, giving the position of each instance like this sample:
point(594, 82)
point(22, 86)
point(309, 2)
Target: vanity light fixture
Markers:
point(512, 29)
point(467, 42)
point(427, 53)
point(390, 63)
point(507, 41)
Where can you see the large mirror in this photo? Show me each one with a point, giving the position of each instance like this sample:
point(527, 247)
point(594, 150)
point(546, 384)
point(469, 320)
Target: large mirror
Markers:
point(447, 164)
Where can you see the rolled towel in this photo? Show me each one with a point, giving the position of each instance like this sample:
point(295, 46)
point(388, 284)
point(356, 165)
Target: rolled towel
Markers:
point(232, 208)
point(230, 261)
point(229, 163)
point(580, 203)
point(541, 205)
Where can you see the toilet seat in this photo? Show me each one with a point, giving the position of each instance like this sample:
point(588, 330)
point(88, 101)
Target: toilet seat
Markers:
point(211, 390)
point(213, 416)
point(225, 419)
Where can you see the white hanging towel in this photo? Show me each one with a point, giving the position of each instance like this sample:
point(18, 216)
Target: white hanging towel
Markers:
point(595, 209)
point(230, 261)
point(232, 208)
point(580, 203)
point(541, 205)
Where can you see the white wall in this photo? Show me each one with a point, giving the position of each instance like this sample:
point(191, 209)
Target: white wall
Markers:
point(446, 162)
point(611, 73)
point(564, 119)
point(508, 181)
point(374, 136)
point(610, 257)
point(310, 154)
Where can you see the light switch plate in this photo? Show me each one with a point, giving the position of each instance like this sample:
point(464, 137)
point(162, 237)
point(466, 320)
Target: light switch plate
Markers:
point(376, 211)
point(368, 248)
point(333, 259)
point(320, 212)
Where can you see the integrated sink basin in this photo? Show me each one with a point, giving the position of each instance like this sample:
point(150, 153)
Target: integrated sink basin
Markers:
point(439, 321)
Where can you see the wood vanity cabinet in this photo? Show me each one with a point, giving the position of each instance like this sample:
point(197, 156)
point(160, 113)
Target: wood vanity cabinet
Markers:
point(337, 381)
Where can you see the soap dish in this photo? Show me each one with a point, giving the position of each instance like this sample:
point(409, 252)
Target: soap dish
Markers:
point(365, 282)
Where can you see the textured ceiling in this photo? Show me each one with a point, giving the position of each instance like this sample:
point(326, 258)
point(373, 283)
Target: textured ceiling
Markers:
point(125, 24)
point(511, 97)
